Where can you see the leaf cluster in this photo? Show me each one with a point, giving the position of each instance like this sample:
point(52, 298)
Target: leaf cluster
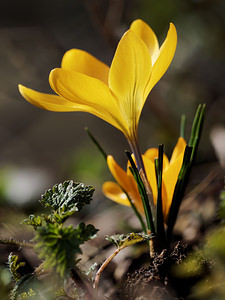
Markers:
point(56, 244)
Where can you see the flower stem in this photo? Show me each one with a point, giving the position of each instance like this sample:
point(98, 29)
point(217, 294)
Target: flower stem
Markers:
point(133, 143)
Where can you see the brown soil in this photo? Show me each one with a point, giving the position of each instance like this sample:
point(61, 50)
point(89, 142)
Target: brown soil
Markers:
point(157, 282)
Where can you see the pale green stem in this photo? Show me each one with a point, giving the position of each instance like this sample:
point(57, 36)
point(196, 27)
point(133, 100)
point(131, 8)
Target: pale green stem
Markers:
point(133, 143)
point(105, 263)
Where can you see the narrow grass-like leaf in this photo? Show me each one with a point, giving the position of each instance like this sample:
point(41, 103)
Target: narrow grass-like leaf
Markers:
point(196, 130)
point(160, 231)
point(96, 143)
point(182, 126)
point(179, 191)
point(195, 125)
point(143, 194)
point(188, 159)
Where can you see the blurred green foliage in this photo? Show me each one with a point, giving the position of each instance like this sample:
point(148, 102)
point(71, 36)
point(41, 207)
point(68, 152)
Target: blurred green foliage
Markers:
point(207, 264)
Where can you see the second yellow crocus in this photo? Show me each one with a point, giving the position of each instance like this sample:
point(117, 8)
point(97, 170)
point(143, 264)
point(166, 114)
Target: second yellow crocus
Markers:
point(126, 184)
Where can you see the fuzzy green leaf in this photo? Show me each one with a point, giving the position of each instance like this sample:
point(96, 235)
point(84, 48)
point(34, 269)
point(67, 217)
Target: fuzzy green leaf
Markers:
point(67, 198)
point(125, 240)
point(14, 265)
point(57, 245)
point(35, 221)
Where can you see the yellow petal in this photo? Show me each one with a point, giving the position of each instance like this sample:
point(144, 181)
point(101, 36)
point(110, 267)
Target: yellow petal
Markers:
point(170, 176)
point(91, 92)
point(128, 76)
point(165, 56)
point(119, 174)
point(179, 149)
point(152, 154)
point(126, 181)
point(113, 191)
point(142, 29)
point(149, 163)
point(46, 101)
point(151, 176)
point(83, 62)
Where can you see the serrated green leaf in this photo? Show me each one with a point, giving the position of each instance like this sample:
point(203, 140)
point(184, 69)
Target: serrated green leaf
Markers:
point(125, 240)
point(57, 246)
point(67, 198)
point(14, 265)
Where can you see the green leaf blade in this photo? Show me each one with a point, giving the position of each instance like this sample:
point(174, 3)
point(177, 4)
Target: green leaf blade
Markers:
point(143, 194)
point(160, 231)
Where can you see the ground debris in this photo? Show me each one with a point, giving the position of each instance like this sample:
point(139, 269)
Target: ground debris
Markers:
point(155, 282)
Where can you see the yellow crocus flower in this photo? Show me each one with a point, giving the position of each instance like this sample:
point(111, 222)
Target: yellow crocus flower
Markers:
point(116, 94)
point(127, 185)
